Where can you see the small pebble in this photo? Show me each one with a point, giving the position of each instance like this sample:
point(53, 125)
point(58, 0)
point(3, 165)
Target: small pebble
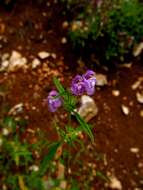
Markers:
point(35, 63)
point(137, 83)
point(141, 113)
point(101, 80)
point(134, 150)
point(64, 40)
point(138, 49)
point(139, 97)
point(34, 168)
point(115, 183)
point(125, 110)
point(43, 54)
point(5, 132)
point(65, 24)
point(115, 92)
point(18, 108)
point(53, 55)
point(5, 56)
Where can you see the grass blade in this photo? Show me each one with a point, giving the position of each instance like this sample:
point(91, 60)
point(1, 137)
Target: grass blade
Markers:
point(48, 158)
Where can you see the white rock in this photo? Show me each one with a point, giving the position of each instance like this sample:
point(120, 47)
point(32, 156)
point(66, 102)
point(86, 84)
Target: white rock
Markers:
point(134, 150)
point(126, 65)
point(137, 83)
point(64, 40)
point(125, 109)
point(34, 168)
point(44, 54)
point(16, 61)
point(53, 55)
point(14, 56)
point(88, 108)
point(138, 49)
point(5, 131)
point(139, 97)
point(5, 56)
point(101, 80)
point(18, 108)
point(4, 65)
point(35, 63)
point(115, 92)
point(115, 183)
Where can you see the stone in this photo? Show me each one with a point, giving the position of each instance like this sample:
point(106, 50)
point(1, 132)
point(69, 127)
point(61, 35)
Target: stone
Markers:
point(139, 97)
point(115, 92)
point(15, 55)
point(4, 65)
point(137, 83)
point(126, 65)
point(101, 80)
point(65, 24)
point(115, 183)
point(64, 40)
point(16, 61)
point(125, 110)
point(43, 54)
point(5, 56)
point(141, 113)
point(5, 131)
point(88, 108)
point(138, 49)
point(35, 63)
point(134, 150)
point(53, 55)
point(18, 108)
point(34, 168)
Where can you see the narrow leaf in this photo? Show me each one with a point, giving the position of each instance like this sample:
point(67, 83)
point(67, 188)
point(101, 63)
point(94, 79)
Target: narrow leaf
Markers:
point(21, 183)
point(48, 158)
point(59, 86)
point(84, 126)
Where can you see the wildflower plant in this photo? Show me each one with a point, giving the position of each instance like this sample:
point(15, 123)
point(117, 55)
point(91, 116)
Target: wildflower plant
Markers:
point(81, 84)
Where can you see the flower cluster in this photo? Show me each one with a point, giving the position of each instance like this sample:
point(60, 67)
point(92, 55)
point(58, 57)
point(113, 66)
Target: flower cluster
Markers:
point(84, 84)
point(80, 84)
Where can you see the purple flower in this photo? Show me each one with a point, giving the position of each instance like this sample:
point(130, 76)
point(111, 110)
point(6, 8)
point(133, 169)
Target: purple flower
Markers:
point(89, 82)
point(54, 101)
point(84, 84)
point(77, 86)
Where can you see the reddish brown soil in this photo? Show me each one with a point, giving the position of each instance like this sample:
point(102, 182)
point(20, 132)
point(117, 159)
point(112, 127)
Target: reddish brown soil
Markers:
point(114, 132)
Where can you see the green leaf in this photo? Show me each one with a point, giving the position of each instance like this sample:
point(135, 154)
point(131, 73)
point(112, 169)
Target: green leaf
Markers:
point(59, 86)
point(84, 126)
point(102, 176)
point(69, 100)
point(48, 158)
point(9, 122)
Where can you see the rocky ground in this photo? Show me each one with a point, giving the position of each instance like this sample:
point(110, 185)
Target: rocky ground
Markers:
point(32, 52)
